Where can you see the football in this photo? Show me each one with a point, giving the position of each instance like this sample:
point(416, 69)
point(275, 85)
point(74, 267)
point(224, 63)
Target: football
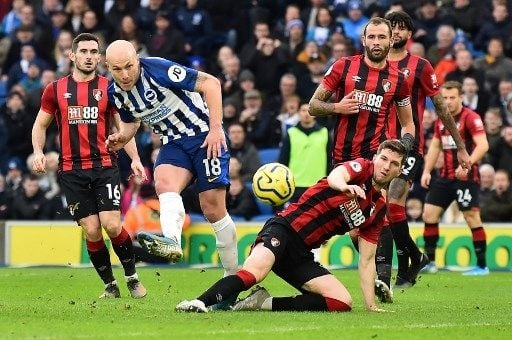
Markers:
point(273, 184)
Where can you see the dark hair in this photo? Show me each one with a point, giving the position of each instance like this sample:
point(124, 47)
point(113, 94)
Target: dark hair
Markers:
point(400, 19)
point(84, 37)
point(452, 84)
point(377, 21)
point(394, 145)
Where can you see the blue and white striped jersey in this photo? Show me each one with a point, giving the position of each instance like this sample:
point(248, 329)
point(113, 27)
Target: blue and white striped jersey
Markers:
point(163, 98)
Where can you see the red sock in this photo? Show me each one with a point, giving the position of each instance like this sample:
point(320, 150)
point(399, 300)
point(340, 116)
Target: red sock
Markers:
point(248, 279)
point(334, 305)
point(119, 239)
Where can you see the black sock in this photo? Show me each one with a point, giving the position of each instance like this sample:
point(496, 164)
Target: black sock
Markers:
point(100, 258)
point(300, 303)
point(222, 289)
point(123, 247)
point(384, 255)
point(480, 245)
point(401, 235)
point(431, 236)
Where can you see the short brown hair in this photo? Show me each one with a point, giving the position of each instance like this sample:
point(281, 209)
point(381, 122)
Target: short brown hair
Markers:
point(84, 37)
point(452, 84)
point(394, 145)
point(377, 21)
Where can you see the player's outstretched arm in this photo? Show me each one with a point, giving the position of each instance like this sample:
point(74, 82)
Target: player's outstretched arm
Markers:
point(41, 124)
point(117, 140)
point(210, 87)
point(447, 119)
point(367, 274)
point(338, 179)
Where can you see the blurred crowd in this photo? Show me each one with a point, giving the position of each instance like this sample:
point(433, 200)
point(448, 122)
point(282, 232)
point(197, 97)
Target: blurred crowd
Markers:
point(270, 56)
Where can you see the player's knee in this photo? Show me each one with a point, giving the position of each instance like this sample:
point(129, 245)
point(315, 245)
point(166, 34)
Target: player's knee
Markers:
point(339, 304)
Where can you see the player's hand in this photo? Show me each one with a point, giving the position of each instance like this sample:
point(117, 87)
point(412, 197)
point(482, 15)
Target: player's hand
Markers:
point(461, 174)
point(347, 105)
point(354, 190)
point(464, 159)
point(138, 171)
point(379, 310)
point(215, 142)
point(115, 142)
point(425, 179)
point(39, 163)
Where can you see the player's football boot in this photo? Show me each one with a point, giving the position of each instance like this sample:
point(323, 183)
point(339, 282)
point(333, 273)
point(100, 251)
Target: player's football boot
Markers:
point(402, 283)
point(415, 268)
point(477, 271)
point(193, 306)
point(160, 246)
point(111, 291)
point(430, 268)
point(136, 288)
point(254, 301)
point(382, 291)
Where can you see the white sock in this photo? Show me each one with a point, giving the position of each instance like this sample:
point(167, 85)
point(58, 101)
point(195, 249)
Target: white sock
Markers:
point(134, 276)
point(172, 215)
point(225, 233)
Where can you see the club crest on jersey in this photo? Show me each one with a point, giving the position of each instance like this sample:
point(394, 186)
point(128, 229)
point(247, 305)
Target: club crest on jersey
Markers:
point(97, 94)
point(386, 85)
point(406, 72)
point(149, 94)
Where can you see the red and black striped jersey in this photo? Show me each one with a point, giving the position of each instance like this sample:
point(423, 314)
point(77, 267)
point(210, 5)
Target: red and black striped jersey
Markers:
point(420, 76)
point(469, 124)
point(84, 118)
point(359, 135)
point(323, 212)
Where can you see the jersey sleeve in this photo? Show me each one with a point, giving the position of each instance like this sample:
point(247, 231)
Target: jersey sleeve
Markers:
point(332, 77)
point(48, 100)
point(116, 106)
point(358, 170)
point(428, 80)
point(403, 93)
point(372, 232)
point(475, 124)
point(171, 74)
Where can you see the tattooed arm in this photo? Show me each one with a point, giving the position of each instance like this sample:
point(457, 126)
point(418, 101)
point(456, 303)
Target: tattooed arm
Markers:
point(319, 105)
point(447, 119)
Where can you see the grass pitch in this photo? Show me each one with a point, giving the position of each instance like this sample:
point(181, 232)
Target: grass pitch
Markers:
point(62, 303)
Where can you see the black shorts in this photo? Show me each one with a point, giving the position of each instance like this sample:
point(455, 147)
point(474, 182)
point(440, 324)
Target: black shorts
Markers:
point(294, 261)
point(413, 163)
point(91, 191)
point(443, 192)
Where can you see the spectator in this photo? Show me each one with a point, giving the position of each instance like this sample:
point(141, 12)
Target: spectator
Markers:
point(473, 98)
point(290, 116)
point(287, 88)
point(465, 68)
point(5, 199)
point(59, 22)
point(146, 15)
point(494, 64)
point(20, 69)
point(414, 209)
point(30, 203)
point(500, 26)
point(61, 53)
point(14, 175)
point(90, 24)
point(503, 99)
point(224, 53)
point(487, 174)
point(42, 34)
point(76, 10)
point(45, 11)
point(18, 122)
point(306, 143)
point(498, 207)
point(442, 48)
point(243, 150)
point(129, 30)
point(290, 20)
point(354, 23)
point(501, 156)
point(262, 128)
point(417, 49)
point(229, 76)
point(11, 20)
point(196, 25)
point(32, 80)
point(323, 29)
point(310, 80)
point(493, 125)
point(294, 41)
point(339, 50)
point(230, 113)
point(465, 16)
point(261, 30)
point(240, 201)
point(166, 41)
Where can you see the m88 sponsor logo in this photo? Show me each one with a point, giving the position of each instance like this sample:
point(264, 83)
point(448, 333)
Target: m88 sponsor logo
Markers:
point(82, 114)
point(368, 101)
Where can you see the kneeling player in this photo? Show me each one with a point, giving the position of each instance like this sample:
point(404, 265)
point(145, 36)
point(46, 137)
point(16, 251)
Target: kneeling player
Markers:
point(348, 200)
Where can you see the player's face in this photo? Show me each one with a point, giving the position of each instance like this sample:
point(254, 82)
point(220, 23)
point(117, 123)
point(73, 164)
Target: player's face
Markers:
point(124, 70)
point(86, 57)
point(387, 165)
point(400, 35)
point(453, 100)
point(377, 42)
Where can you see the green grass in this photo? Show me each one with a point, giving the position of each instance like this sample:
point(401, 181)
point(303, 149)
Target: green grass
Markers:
point(62, 303)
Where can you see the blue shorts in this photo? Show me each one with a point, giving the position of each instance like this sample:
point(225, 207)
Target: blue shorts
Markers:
point(187, 153)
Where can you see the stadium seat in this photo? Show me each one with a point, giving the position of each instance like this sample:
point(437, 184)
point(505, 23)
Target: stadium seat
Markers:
point(268, 155)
